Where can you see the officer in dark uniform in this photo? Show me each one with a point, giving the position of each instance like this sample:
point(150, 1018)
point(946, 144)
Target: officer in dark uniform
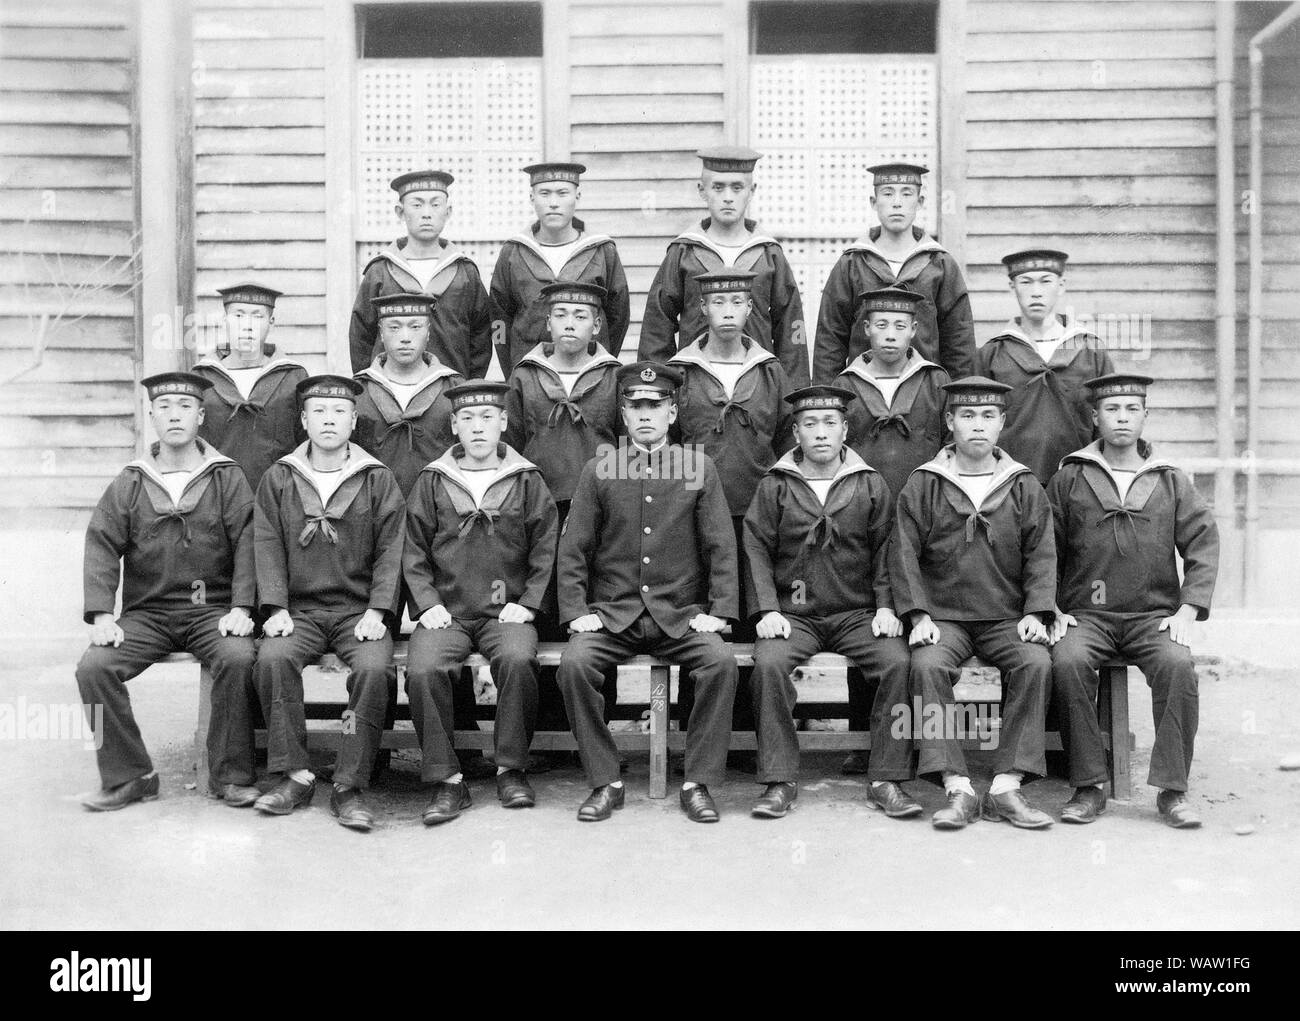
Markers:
point(648, 565)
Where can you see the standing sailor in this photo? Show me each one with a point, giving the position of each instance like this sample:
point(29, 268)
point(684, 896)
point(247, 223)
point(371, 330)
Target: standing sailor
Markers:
point(424, 262)
point(556, 249)
point(896, 254)
point(726, 240)
point(1046, 359)
point(251, 409)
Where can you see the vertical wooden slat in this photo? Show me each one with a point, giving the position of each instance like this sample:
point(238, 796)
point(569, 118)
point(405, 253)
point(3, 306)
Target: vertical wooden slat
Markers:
point(735, 71)
point(556, 87)
point(950, 175)
point(340, 202)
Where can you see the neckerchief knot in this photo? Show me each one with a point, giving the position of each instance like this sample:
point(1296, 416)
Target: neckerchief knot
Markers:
point(1115, 516)
point(899, 422)
point(413, 432)
point(173, 515)
point(488, 517)
point(575, 412)
point(252, 407)
point(322, 522)
point(739, 411)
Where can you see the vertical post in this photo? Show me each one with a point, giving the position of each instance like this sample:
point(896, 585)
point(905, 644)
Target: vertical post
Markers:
point(1115, 681)
point(164, 186)
point(950, 175)
point(201, 731)
point(340, 196)
point(735, 72)
point(1225, 499)
point(659, 701)
point(556, 88)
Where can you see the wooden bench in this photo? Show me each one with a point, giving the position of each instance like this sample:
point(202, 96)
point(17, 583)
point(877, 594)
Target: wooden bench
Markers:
point(648, 682)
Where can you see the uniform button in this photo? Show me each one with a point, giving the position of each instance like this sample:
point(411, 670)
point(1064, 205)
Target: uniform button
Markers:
point(646, 529)
point(645, 560)
point(649, 499)
point(645, 588)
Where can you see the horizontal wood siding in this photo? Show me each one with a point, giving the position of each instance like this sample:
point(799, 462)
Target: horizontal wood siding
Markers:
point(259, 140)
point(644, 95)
point(68, 361)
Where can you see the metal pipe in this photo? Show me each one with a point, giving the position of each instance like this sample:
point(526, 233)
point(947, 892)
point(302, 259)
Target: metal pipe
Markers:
point(1225, 297)
point(1255, 294)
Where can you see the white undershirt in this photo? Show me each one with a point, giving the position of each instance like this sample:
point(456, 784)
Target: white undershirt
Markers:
point(730, 253)
point(479, 481)
point(1123, 479)
point(822, 487)
point(888, 387)
point(1047, 348)
point(895, 265)
point(728, 373)
point(557, 255)
point(327, 482)
point(176, 481)
point(244, 379)
point(423, 270)
point(567, 379)
point(976, 487)
point(404, 392)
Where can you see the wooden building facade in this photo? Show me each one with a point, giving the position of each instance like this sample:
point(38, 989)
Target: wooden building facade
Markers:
point(1089, 126)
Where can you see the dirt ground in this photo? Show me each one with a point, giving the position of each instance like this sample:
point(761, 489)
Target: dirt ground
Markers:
point(185, 861)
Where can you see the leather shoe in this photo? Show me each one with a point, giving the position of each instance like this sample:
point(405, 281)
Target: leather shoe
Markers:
point(962, 809)
point(142, 788)
point(238, 795)
point(698, 804)
point(1175, 810)
point(892, 800)
point(855, 764)
point(1012, 806)
point(1084, 805)
point(776, 800)
point(449, 800)
point(349, 806)
point(514, 790)
point(285, 796)
point(600, 803)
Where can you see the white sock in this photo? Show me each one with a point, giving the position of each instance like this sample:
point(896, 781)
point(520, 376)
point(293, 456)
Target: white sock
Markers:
point(302, 776)
point(1005, 782)
point(957, 782)
point(615, 783)
point(458, 778)
point(688, 784)
point(502, 769)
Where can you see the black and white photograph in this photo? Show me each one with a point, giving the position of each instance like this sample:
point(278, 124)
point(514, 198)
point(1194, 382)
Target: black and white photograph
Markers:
point(646, 465)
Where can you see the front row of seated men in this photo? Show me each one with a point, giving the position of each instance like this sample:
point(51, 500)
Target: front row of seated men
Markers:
point(974, 557)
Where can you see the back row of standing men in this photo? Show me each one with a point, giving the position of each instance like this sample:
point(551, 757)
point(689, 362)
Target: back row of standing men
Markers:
point(737, 389)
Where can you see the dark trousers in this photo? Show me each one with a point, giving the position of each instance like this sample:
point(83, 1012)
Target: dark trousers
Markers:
point(582, 677)
point(1026, 674)
point(148, 636)
point(1170, 674)
point(434, 664)
point(774, 694)
point(372, 685)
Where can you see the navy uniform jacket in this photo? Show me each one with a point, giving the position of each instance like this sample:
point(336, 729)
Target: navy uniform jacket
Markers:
point(258, 430)
point(648, 533)
point(473, 558)
point(945, 332)
point(405, 439)
point(958, 562)
point(522, 271)
point(1119, 557)
point(561, 432)
point(1048, 413)
point(341, 558)
point(897, 437)
point(171, 556)
point(744, 433)
point(813, 560)
point(460, 334)
point(672, 309)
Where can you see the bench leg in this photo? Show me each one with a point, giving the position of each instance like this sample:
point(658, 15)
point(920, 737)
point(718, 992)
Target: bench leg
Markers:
point(659, 731)
point(1115, 681)
point(201, 731)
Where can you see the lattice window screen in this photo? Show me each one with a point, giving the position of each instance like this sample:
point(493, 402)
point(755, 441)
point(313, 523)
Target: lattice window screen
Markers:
point(481, 120)
point(820, 122)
